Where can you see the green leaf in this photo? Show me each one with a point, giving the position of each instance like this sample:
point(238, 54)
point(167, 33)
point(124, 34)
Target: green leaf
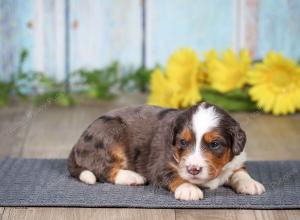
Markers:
point(136, 79)
point(99, 83)
point(234, 101)
point(65, 100)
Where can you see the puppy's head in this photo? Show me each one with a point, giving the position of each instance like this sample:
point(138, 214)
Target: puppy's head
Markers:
point(205, 138)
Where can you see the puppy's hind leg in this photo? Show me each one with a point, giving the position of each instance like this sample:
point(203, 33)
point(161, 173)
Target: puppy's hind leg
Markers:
point(128, 177)
point(87, 177)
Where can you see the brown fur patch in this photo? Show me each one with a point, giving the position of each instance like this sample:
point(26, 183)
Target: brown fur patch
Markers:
point(187, 135)
point(216, 163)
point(211, 136)
point(175, 183)
point(119, 161)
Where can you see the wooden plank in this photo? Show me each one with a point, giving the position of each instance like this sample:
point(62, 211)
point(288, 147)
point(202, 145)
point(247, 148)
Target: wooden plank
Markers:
point(201, 25)
point(155, 214)
point(13, 129)
point(265, 214)
point(54, 130)
point(1, 212)
point(292, 214)
point(104, 31)
point(208, 214)
point(268, 135)
point(278, 27)
point(250, 29)
point(37, 26)
point(87, 213)
point(14, 34)
point(48, 27)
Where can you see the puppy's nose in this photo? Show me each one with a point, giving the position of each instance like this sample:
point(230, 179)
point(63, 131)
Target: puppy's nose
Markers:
point(194, 170)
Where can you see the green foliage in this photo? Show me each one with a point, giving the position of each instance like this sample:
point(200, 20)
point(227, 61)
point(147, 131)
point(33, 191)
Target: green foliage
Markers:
point(32, 85)
point(51, 91)
point(98, 83)
point(5, 92)
point(60, 98)
point(101, 84)
point(13, 87)
point(136, 79)
point(234, 101)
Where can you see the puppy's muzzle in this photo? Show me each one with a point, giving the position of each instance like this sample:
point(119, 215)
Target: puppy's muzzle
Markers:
point(194, 170)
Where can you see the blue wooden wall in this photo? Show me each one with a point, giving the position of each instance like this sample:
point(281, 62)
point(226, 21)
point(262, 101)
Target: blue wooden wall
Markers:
point(97, 32)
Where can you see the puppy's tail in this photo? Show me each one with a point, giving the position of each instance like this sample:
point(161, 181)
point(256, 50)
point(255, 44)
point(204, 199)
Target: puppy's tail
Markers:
point(76, 171)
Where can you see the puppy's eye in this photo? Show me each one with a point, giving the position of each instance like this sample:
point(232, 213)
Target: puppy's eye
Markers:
point(214, 145)
point(182, 143)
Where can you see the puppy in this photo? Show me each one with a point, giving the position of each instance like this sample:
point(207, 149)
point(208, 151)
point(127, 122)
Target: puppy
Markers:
point(180, 150)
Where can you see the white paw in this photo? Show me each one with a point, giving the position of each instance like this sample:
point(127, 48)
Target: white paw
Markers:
point(213, 184)
point(249, 186)
point(188, 191)
point(87, 177)
point(128, 177)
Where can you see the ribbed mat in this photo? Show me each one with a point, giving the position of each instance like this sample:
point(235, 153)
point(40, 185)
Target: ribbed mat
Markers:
point(42, 182)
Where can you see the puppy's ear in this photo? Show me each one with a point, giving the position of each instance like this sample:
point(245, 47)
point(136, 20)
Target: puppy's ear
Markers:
point(238, 139)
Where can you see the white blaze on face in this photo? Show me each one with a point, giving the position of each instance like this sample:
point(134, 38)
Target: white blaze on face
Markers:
point(203, 121)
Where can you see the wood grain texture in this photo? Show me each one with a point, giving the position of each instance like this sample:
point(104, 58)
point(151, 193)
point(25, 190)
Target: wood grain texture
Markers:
point(53, 131)
point(250, 30)
point(104, 31)
point(49, 37)
point(201, 25)
point(279, 27)
point(13, 130)
point(269, 137)
point(14, 35)
point(209, 214)
point(1, 212)
point(87, 213)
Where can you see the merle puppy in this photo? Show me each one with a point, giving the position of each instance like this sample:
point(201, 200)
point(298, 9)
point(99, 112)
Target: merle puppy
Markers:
point(181, 150)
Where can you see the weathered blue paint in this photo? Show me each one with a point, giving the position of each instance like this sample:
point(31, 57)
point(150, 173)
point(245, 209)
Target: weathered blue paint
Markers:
point(14, 35)
point(279, 27)
point(200, 24)
point(102, 31)
point(105, 31)
point(67, 45)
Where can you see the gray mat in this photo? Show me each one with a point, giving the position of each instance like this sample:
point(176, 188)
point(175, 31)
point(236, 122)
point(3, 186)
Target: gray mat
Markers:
point(40, 182)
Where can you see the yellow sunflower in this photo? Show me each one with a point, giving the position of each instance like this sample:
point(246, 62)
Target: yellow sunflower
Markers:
point(161, 91)
point(179, 86)
point(276, 84)
point(228, 72)
point(210, 57)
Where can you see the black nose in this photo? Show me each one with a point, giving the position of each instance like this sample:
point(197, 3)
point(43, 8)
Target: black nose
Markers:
point(194, 170)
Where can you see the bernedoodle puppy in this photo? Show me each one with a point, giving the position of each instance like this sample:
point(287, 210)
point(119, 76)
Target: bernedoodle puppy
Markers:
point(180, 150)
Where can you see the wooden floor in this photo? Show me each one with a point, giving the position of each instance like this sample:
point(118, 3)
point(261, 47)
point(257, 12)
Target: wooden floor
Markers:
point(50, 132)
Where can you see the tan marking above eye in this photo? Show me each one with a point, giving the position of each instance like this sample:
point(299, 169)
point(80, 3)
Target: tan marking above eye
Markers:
point(211, 136)
point(186, 134)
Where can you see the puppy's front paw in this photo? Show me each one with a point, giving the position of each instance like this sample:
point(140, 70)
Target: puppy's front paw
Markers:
point(249, 186)
point(128, 177)
point(188, 191)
